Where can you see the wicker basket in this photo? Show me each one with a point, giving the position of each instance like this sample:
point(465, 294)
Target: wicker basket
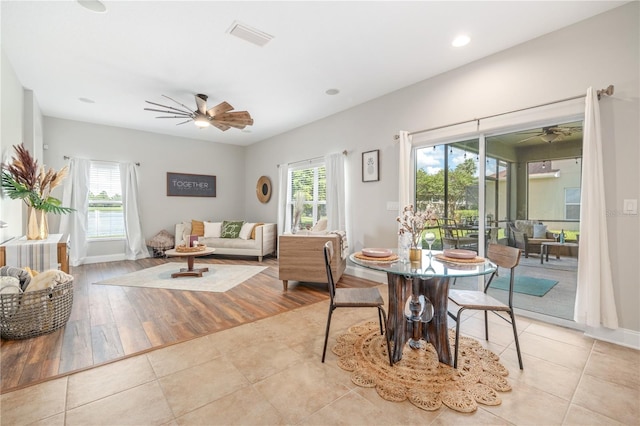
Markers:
point(35, 313)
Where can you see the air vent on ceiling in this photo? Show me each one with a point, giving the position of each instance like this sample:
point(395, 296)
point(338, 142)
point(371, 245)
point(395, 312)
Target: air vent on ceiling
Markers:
point(249, 34)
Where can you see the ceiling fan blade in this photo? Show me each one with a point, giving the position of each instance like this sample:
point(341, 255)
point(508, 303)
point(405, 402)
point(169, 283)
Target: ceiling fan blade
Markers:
point(182, 105)
point(220, 126)
point(184, 114)
point(170, 107)
point(235, 119)
point(201, 102)
point(173, 116)
point(219, 109)
point(183, 122)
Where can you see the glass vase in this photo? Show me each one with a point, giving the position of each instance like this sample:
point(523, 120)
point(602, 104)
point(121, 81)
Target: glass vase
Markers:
point(415, 254)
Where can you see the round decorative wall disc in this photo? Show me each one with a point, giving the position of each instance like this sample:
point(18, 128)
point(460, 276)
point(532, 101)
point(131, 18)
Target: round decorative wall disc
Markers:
point(263, 189)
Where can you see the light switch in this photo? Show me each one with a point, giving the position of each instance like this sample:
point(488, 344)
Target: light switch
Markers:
point(630, 207)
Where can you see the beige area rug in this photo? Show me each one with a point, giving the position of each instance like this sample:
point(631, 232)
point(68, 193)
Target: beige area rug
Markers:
point(419, 376)
point(220, 278)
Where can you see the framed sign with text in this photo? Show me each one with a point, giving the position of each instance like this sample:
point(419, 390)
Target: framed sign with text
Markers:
point(189, 185)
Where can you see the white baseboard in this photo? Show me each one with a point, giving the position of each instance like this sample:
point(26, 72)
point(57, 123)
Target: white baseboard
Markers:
point(103, 258)
point(367, 274)
point(621, 336)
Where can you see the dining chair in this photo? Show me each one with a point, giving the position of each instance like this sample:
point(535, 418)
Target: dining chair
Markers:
point(352, 298)
point(504, 257)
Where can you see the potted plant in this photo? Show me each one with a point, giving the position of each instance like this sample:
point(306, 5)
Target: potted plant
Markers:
point(24, 179)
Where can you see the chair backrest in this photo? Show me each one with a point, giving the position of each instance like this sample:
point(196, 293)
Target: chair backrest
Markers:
point(505, 257)
point(328, 256)
point(448, 231)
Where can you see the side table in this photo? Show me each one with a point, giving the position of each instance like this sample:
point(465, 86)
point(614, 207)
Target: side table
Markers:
point(31, 253)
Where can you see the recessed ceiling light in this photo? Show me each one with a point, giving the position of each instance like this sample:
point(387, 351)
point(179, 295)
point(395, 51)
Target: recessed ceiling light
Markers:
point(87, 100)
point(461, 40)
point(332, 92)
point(93, 5)
point(246, 130)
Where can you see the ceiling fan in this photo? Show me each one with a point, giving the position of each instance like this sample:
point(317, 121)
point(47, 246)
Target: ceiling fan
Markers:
point(553, 133)
point(220, 116)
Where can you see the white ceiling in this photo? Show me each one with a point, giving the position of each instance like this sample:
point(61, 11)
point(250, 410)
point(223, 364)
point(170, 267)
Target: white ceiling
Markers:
point(138, 51)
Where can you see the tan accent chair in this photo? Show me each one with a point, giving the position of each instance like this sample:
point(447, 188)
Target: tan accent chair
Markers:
point(505, 257)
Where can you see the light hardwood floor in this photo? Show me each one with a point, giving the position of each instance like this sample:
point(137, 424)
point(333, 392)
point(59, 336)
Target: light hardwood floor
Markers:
point(112, 322)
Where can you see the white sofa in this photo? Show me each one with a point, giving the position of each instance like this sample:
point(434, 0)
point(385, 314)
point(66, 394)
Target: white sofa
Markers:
point(262, 244)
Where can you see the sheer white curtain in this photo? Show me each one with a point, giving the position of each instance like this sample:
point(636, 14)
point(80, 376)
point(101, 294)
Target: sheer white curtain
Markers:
point(76, 196)
point(405, 170)
point(284, 225)
point(595, 304)
point(135, 247)
point(336, 192)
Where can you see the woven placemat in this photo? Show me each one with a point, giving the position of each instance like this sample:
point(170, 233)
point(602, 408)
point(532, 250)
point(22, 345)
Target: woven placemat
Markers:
point(441, 257)
point(361, 256)
point(419, 376)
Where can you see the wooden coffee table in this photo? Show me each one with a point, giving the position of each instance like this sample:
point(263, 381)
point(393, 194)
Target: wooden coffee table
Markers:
point(544, 250)
point(189, 271)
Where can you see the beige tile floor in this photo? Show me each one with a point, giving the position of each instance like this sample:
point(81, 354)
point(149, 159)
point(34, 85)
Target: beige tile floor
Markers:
point(269, 373)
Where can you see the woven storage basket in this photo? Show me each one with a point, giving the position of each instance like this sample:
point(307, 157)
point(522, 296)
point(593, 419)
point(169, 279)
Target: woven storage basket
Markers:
point(35, 313)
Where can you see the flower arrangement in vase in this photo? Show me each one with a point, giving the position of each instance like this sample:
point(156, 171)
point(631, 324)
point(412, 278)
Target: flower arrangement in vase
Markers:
point(413, 223)
point(24, 179)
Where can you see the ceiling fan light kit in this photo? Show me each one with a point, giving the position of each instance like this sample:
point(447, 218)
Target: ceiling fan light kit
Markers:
point(220, 116)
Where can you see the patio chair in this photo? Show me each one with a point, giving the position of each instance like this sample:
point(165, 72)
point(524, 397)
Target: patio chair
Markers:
point(505, 257)
point(521, 240)
point(453, 235)
point(352, 298)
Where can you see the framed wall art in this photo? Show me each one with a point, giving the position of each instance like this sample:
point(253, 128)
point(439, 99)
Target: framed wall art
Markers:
point(371, 166)
point(188, 185)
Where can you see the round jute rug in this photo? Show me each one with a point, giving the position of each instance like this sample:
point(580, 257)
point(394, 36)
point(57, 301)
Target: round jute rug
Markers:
point(419, 376)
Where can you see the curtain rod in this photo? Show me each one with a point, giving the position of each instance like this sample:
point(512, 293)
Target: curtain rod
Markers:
point(608, 92)
point(309, 160)
point(66, 157)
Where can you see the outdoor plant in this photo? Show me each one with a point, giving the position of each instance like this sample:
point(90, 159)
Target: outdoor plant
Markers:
point(414, 223)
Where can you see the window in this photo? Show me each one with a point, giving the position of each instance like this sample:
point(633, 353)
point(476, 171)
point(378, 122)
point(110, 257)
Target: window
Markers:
point(106, 216)
point(309, 185)
point(572, 203)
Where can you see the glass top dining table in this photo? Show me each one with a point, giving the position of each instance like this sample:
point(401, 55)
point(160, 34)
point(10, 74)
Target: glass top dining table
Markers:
point(418, 297)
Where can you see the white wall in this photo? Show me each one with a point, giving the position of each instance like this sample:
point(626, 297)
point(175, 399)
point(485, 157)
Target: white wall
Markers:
point(157, 155)
point(597, 52)
point(11, 119)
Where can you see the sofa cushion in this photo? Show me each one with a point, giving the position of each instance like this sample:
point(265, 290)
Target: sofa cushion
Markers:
point(182, 230)
point(231, 228)
point(526, 226)
point(320, 225)
point(539, 231)
point(197, 228)
point(253, 231)
point(245, 231)
point(212, 229)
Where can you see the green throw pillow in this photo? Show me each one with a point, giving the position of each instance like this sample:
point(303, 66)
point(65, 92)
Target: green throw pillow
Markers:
point(231, 229)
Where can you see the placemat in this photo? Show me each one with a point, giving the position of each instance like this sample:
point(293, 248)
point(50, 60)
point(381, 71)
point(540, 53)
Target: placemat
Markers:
point(444, 258)
point(361, 256)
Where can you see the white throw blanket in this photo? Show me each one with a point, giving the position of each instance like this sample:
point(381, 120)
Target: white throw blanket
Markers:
point(344, 246)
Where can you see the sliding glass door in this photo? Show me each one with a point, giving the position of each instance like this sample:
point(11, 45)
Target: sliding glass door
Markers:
point(532, 182)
